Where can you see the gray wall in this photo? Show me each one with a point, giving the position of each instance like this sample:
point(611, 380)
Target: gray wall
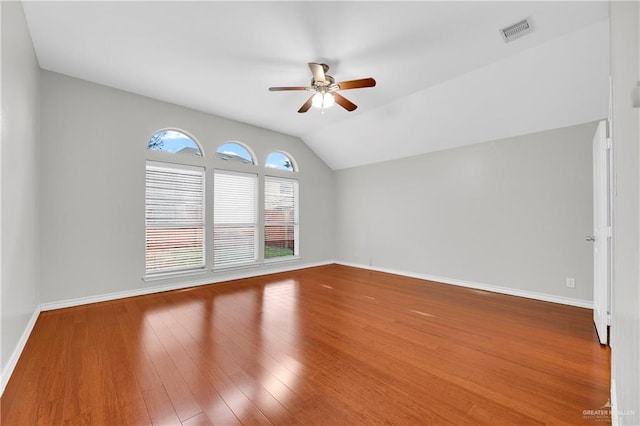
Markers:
point(511, 213)
point(94, 142)
point(625, 303)
point(20, 192)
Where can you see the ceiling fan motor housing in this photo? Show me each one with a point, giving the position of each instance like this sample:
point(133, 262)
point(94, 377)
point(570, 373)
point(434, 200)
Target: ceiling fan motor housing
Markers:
point(324, 85)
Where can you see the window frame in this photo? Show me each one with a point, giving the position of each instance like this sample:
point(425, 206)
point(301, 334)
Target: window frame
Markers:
point(210, 165)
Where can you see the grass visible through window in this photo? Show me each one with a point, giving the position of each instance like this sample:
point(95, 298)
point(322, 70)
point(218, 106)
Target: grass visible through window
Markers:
point(271, 252)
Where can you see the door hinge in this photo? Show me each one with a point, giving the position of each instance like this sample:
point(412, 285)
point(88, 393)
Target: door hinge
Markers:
point(609, 143)
point(609, 232)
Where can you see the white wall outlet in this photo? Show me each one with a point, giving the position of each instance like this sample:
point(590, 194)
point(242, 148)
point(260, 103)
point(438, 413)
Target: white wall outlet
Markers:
point(571, 282)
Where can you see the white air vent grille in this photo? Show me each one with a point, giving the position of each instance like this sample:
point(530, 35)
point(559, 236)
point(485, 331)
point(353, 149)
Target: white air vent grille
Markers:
point(516, 30)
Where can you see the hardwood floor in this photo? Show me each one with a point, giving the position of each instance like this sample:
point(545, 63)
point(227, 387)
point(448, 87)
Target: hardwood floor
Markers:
point(328, 345)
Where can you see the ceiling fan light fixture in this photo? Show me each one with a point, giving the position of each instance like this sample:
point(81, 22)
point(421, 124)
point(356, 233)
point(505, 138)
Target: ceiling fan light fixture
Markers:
point(323, 100)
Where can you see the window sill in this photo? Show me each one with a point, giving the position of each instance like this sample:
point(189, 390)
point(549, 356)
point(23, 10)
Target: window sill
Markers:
point(236, 267)
point(282, 259)
point(167, 275)
point(178, 274)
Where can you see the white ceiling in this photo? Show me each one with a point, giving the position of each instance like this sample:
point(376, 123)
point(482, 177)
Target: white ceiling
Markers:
point(445, 76)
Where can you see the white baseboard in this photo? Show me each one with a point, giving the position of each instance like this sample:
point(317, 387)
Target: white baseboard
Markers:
point(15, 355)
point(479, 286)
point(615, 419)
point(244, 274)
point(176, 286)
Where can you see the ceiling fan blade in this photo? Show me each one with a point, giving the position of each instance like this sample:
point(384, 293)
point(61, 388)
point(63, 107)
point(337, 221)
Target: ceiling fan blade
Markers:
point(318, 72)
point(278, 89)
point(344, 102)
point(305, 107)
point(357, 84)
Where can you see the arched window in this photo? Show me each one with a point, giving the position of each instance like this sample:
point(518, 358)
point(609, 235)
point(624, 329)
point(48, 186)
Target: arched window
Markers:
point(175, 142)
point(174, 206)
point(281, 161)
point(233, 151)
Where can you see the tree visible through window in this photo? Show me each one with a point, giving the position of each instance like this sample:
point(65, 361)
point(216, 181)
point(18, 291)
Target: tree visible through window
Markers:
point(174, 142)
point(281, 161)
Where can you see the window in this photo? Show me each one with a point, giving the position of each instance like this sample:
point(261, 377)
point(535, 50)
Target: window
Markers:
point(174, 218)
point(234, 152)
point(281, 161)
point(181, 239)
point(235, 219)
point(280, 218)
point(174, 142)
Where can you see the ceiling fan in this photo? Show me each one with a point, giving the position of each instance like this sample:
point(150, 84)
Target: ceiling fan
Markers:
point(326, 89)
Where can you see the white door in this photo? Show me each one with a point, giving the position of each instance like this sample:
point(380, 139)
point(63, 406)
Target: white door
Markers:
point(601, 232)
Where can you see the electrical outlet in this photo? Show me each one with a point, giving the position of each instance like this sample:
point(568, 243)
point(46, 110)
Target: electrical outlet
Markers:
point(571, 282)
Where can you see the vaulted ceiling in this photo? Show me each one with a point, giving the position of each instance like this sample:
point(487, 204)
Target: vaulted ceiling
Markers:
point(445, 77)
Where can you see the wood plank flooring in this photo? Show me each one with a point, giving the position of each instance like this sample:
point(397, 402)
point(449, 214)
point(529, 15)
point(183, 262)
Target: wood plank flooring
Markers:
point(329, 345)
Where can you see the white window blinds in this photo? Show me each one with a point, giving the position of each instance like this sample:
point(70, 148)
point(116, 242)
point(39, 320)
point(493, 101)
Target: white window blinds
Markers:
point(174, 218)
point(235, 218)
point(280, 218)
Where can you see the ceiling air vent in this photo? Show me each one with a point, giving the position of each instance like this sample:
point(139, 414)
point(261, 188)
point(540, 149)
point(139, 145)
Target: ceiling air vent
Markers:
point(516, 30)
